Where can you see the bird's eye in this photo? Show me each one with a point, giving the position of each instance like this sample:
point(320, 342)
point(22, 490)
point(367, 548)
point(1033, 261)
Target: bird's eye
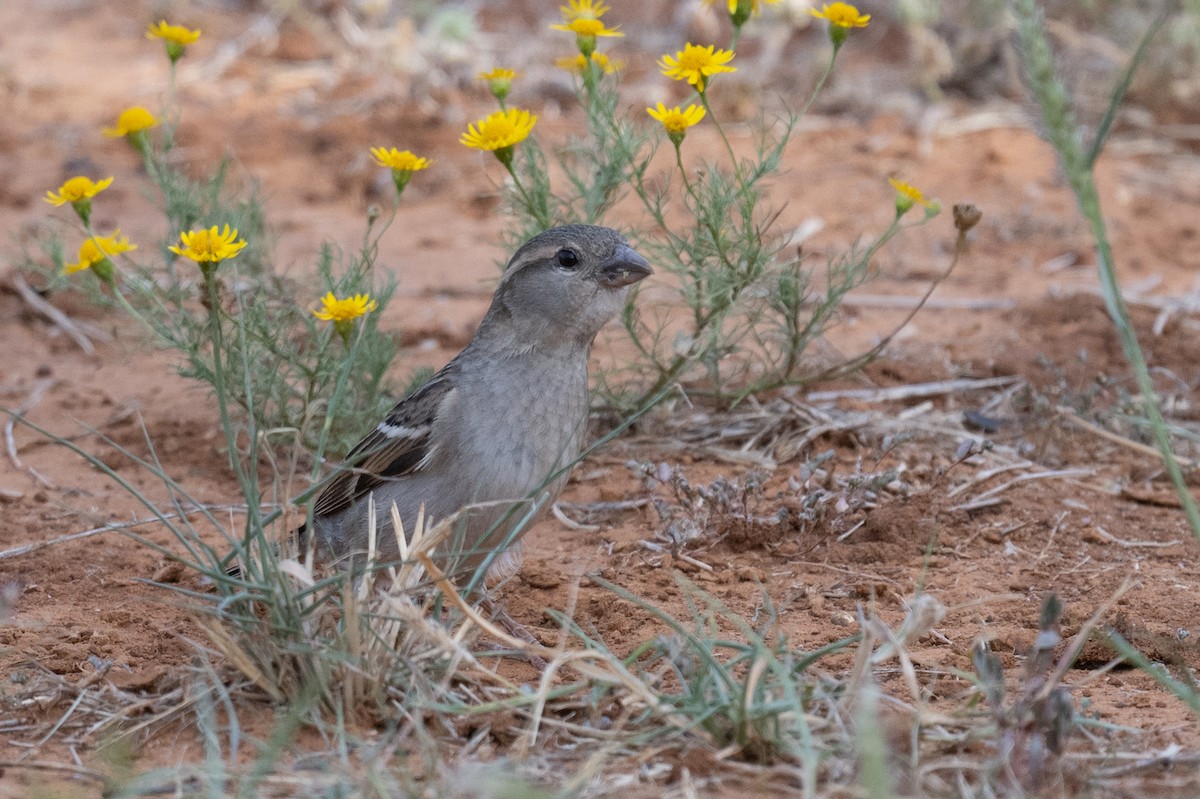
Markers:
point(568, 259)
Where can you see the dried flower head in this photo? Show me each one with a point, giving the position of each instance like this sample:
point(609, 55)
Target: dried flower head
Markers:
point(966, 216)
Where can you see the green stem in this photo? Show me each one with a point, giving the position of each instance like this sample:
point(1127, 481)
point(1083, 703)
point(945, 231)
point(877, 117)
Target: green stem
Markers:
point(820, 83)
point(335, 400)
point(1089, 204)
point(219, 384)
point(733, 162)
point(537, 213)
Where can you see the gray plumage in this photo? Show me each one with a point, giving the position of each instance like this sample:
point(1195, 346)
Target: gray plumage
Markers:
point(507, 413)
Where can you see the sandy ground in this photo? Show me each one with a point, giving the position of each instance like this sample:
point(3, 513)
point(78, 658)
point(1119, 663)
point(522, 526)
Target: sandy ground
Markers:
point(297, 122)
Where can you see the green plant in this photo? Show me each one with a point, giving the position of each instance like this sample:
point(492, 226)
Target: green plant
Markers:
point(1078, 162)
point(750, 310)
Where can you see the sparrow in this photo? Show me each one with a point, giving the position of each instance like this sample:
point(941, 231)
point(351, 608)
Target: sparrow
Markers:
point(495, 432)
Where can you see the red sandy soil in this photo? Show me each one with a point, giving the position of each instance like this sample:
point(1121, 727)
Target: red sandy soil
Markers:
point(297, 120)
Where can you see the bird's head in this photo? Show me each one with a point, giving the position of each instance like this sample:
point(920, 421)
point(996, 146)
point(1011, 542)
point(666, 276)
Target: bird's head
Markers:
point(567, 283)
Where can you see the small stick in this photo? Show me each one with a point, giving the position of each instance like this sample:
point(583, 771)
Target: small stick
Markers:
point(916, 390)
point(56, 317)
point(659, 548)
point(25, 549)
point(10, 442)
point(571, 523)
point(947, 303)
point(1124, 542)
point(1118, 439)
point(67, 768)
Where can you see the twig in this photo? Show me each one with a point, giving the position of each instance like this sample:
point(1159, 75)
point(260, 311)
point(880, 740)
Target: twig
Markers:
point(1136, 446)
point(946, 303)
point(1124, 542)
point(25, 549)
point(992, 493)
point(660, 549)
point(934, 389)
point(68, 768)
point(57, 318)
point(10, 442)
point(569, 522)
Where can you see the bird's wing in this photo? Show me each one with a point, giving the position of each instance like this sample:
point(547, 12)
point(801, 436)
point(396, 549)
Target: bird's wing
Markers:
point(400, 445)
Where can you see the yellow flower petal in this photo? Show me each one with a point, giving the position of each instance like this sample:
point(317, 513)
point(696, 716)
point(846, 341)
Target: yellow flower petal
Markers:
point(132, 120)
point(499, 73)
point(674, 120)
point(587, 27)
point(583, 9)
point(695, 64)
point(909, 192)
point(96, 249)
point(577, 62)
point(842, 15)
point(334, 310)
point(499, 130)
point(208, 246)
point(402, 160)
point(176, 34)
point(77, 188)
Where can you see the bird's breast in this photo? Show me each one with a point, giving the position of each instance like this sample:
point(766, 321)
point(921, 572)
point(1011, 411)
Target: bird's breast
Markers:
point(535, 413)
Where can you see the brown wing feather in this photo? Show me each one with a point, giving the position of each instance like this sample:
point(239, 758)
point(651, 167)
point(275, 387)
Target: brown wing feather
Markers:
point(393, 449)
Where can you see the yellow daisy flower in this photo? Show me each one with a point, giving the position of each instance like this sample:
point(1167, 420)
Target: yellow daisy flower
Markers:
point(334, 310)
point(208, 247)
point(499, 81)
point(76, 189)
point(132, 120)
point(675, 121)
point(343, 312)
point(94, 255)
point(176, 38)
point(399, 159)
point(842, 17)
point(500, 132)
point(583, 9)
point(584, 26)
point(172, 34)
point(586, 29)
point(908, 195)
point(578, 63)
point(498, 73)
point(695, 64)
point(402, 163)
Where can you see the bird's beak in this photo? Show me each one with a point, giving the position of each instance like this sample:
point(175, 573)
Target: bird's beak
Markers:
point(625, 267)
